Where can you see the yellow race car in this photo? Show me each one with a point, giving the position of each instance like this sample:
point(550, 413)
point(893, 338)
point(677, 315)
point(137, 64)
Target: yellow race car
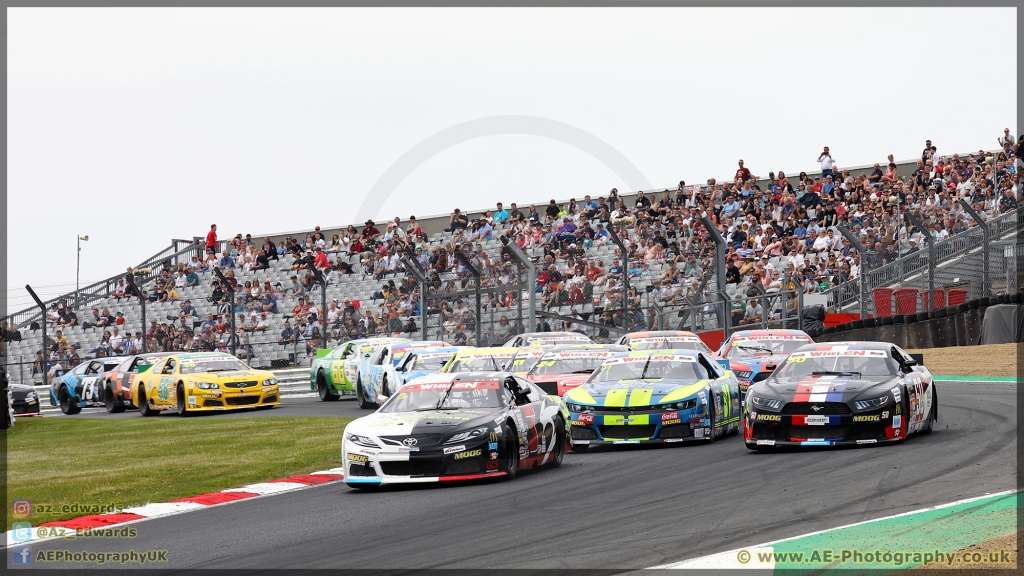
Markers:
point(203, 382)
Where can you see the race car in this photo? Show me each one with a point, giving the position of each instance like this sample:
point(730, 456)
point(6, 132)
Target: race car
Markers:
point(841, 393)
point(118, 382)
point(81, 386)
point(422, 361)
point(333, 373)
point(752, 355)
point(654, 396)
point(24, 400)
point(480, 360)
point(377, 374)
point(203, 382)
point(562, 368)
point(550, 338)
point(526, 358)
point(463, 426)
point(664, 340)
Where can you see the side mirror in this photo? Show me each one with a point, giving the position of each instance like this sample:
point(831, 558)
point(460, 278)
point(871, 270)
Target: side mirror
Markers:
point(381, 399)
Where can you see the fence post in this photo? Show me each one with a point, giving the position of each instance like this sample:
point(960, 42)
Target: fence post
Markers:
point(413, 267)
point(42, 321)
point(476, 275)
point(531, 283)
point(862, 275)
point(625, 277)
point(986, 282)
point(916, 223)
point(231, 306)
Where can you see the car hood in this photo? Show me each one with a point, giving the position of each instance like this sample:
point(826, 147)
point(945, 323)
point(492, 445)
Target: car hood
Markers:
point(233, 376)
point(19, 391)
point(635, 392)
point(429, 421)
point(826, 388)
point(563, 379)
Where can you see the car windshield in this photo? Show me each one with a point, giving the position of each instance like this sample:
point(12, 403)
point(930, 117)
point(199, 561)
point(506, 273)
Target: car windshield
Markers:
point(446, 396)
point(548, 340)
point(569, 363)
point(200, 365)
point(431, 362)
point(668, 343)
point(762, 347)
point(633, 368)
point(844, 363)
point(479, 363)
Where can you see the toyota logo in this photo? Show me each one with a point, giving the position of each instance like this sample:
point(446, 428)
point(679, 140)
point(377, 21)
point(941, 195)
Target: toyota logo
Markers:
point(409, 441)
point(815, 408)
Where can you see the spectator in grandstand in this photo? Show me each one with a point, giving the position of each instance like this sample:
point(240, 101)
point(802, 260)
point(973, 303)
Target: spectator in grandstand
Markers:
point(211, 239)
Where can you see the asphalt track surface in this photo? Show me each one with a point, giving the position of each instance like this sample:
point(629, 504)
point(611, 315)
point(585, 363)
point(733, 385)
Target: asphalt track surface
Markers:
point(604, 509)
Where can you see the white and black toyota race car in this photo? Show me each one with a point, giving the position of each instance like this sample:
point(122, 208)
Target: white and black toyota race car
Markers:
point(462, 426)
point(841, 393)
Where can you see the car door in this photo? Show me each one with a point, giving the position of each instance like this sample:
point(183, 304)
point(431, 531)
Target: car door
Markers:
point(375, 371)
point(337, 364)
point(166, 391)
point(726, 399)
point(88, 390)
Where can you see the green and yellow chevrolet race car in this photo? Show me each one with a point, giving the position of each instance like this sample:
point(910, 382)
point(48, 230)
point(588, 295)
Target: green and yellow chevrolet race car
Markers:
point(333, 373)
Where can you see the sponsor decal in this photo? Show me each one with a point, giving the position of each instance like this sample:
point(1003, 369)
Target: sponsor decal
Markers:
point(896, 393)
point(885, 415)
point(698, 432)
point(581, 441)
point(897, 421)
point(625, 442)
point(499, 419)
point(454, 386)
point(766, 442)
point(771, 338)
point(494, 436)
point(762, 417)
point(206, 396)
point(812, 420)
point(815, 442)
point(357, 457)
point(870, 418)
point(584, 419)
point(467, 454)
point(407, 448)
point(368, 452)
point(669, 422)
point(191, 399)
point(492, 465)
point(451, 449)
point(673, 440)
point(866, 441)
point(492, 445)
point(670, 416)
point(494, 456)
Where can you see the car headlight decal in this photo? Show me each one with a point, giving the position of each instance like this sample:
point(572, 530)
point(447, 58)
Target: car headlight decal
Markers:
point(862, 405)
point(745, 374)
point(470, 434)
point(271, 382)
point(770, 404)
point(207, 385)
point(361, 440)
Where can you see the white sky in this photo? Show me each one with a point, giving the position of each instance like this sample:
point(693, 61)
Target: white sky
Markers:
point(138, 125)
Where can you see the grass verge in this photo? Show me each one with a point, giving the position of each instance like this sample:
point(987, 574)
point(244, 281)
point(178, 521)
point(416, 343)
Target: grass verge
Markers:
point(126, 462)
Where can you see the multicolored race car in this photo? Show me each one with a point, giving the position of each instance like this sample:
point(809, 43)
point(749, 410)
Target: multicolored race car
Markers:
point(562, 368)
point(377, 373)
point(450, 427)
point(203, 382)
point(841, 393)
point(333, 373)
point(654, 396)
point(480, 360)
point(119, 382)
point(752, 355)
point(526, 358)
point(665, 340)
point(81, 386)
point(547, 338)
point(423, 361)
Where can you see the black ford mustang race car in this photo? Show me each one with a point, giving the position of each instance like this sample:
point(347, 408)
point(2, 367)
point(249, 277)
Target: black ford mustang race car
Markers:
point(841, 393)
point(461, 426)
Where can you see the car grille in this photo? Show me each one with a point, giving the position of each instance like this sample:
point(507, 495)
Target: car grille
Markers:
point(638, 409)
point(548, 387)
point(817, 431)
point(769, 431)
point(212, 403)
point(419, 467)
point(24, 408)
point(466, 466)
point(629, 431)
point(867, 432)
point(239, 384)
point(678, 431)
point(581, 433)
point(809, 408)
point(271, 399)
point(421, 440)
point(364, 470)
point(244, 401)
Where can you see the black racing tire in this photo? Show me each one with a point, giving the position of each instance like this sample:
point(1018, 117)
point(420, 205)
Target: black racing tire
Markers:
point(181, 406)
point(144, 408)
point(361, 396)
point(110, 403)
point(384, 386)
point(933, 413)
point(68, 405)
point(509, 456)
point(558, 450)
point(711, 414)
point(321, 389)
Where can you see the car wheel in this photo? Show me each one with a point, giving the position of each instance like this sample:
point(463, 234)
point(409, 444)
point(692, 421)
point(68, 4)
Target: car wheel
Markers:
point(181, 407)
point(558, 453)
point(361, 396)
point(112, 405)
point(68, 405)
point(321, 389)
point(144, 408)
point(510, 458)
point(384, 386)
point(711, 415)
point(932, 413)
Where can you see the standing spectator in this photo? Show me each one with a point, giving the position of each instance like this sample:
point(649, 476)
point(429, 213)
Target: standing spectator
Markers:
point(211, 239)
point(827, 162)
point(742, 173)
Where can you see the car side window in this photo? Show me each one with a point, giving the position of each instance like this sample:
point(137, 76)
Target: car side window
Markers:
point(382, 357)
point(707, 368)
point(80, 370)
point(134, 366)
point(169, 367)
point(93, 368)
point(407, 362)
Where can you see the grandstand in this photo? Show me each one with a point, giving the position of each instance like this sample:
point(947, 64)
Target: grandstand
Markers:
point(673, 265)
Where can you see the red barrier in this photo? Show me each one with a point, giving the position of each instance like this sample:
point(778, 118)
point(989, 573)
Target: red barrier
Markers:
point(906, 300)
point(883, 301)
point(957, 296)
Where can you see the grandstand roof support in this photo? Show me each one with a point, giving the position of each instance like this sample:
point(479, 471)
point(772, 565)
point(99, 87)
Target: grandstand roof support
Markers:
point(862, 274)
point(531, 283)
point(986, 283)
point(720, 249)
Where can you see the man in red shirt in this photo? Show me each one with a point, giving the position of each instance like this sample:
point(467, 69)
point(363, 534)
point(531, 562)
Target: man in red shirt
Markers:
point(211, 239)
point(321, 259)
point(742, 174)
